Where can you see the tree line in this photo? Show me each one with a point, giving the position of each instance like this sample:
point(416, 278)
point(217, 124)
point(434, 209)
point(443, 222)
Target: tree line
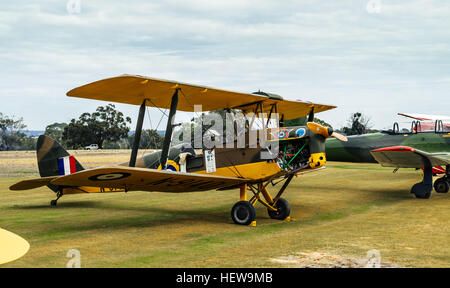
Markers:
point(108, 128)
point(105, 127)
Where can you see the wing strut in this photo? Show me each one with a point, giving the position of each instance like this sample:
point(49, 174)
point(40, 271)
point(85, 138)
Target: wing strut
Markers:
point(137, 135)
point(169, 128)
point(311, 115)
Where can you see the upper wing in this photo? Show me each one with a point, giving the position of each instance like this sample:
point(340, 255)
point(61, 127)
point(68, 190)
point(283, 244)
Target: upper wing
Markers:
point(133, 89)
point(407, 157)
point(137, 179)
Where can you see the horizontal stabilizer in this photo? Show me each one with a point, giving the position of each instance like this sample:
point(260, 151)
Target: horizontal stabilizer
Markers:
point(32, 183)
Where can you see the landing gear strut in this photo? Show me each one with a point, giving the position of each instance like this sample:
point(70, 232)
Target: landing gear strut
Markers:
point(243, 212)
point(423, 189)
point(59, 194)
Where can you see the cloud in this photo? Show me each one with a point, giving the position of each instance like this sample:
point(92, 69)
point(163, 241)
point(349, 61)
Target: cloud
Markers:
point(332, 52)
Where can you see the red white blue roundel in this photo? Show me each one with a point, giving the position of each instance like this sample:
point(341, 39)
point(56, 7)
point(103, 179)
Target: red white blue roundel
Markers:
point(171, 165)
point(283, 133)
point(300, 132)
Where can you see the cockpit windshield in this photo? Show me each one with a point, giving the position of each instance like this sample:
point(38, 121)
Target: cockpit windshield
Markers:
point(417, 126)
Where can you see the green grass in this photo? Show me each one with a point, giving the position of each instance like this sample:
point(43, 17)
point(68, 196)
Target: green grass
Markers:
point(342, 211)
point(23, 172)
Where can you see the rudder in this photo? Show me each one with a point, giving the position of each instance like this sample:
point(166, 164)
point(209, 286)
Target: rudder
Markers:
point(54, 160)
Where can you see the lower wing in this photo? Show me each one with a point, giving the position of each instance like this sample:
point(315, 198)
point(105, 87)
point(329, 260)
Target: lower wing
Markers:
point(407, 157)
point(112, 179)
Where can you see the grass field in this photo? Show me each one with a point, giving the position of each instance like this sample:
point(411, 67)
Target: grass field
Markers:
point(346, 209)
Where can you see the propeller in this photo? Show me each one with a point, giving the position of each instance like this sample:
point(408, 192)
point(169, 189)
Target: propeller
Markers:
point(325, 132)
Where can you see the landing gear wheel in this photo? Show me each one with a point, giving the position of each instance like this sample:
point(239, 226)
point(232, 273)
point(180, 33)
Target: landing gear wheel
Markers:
point(59, 194)
point(422, 190)
point(423, 196)
point(243, 213)
point(283, 210)
point(441, 185)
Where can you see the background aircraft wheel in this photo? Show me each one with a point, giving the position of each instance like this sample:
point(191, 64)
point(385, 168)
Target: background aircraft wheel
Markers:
point(53, 203)
point(441, 185)
point(243, 213)
point(283, 210)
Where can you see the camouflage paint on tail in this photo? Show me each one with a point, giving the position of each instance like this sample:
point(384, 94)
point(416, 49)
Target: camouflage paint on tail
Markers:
point(50, 158)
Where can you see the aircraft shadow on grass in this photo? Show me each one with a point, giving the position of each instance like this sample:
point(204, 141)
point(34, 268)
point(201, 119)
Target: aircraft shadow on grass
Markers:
point(158, 216)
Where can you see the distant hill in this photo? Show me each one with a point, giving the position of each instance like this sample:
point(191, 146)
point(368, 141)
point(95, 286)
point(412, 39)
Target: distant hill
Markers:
point(36, 133)
point(33, 133)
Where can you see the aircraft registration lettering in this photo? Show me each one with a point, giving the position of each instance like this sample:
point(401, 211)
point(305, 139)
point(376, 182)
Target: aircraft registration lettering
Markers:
point(112, 189)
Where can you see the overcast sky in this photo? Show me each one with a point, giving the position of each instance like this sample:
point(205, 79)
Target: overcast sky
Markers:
point(377, 57)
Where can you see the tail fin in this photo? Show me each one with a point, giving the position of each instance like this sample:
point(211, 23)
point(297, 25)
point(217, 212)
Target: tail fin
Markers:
point(54, 160)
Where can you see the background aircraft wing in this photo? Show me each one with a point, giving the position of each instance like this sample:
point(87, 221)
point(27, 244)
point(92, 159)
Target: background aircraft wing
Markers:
point(133, 89)
point(407, 157)
point(425, 117)
point(143, 179)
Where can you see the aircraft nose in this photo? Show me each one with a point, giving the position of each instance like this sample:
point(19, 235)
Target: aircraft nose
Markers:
point(325, 132)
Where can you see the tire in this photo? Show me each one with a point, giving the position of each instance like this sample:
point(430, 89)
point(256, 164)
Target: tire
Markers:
point(283, 210)
point(243, 213)
point(422, 190)
point(423, 196)
point(441, 185)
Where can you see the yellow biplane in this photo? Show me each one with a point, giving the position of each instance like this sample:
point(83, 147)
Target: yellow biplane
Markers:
point(180, 168)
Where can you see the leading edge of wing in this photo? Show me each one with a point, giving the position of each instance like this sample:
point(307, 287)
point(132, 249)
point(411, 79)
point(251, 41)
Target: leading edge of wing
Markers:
point(133, 89)
point(408, 157)
point(144, 179)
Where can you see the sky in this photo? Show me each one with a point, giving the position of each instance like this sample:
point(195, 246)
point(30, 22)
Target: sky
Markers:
point(378, 57)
